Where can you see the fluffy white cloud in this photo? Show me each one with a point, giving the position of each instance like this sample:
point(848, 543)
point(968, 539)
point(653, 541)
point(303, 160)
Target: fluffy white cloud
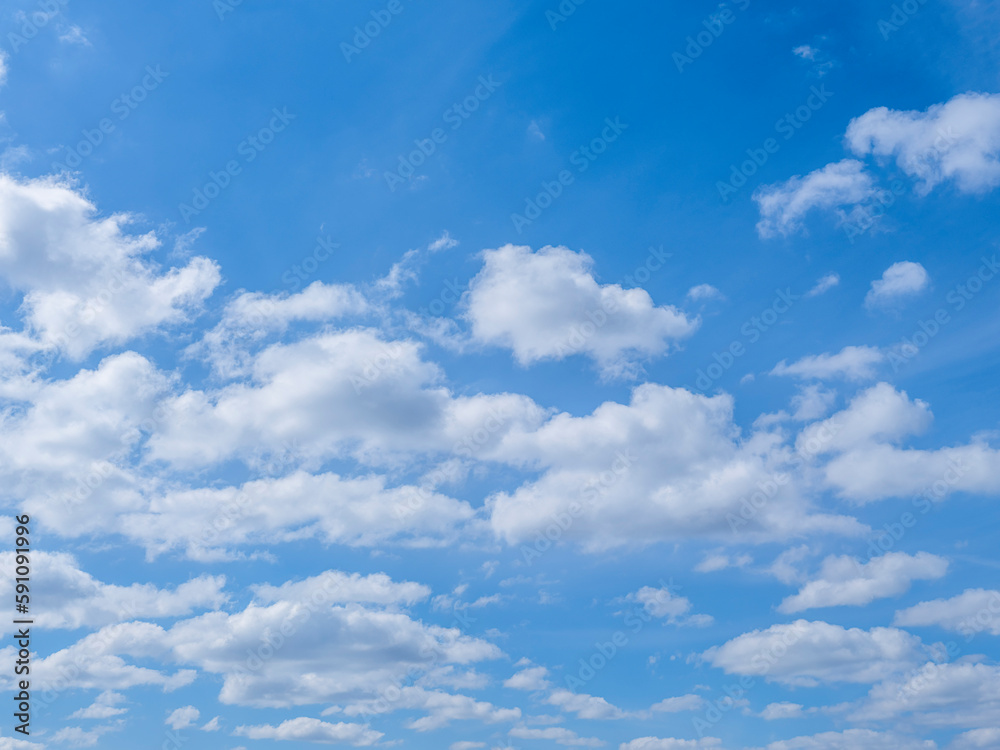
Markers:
point(441, 708)
point(851, 363)
point(532, 678)
point(664, 604)
point(72, 598)
point(304, 729)
point(963, 695)
point(358, 512)
point(718, 561)
point(252, 316)
point(811, 653)
point(104, 707)
point(336, 395)
point(183, 717)
point(583, 705)
point(658, 743)
point(957, 141)
point(783, 710)
point(548, 305)
point(853, 739)
point(668, 465)
point(559, 735)
point(972, 611)
point(783, 207)
point(86, 281)
point(689, 702)
point(976, 738)
point(899, 281)
point(824, 285)
point(844, 581)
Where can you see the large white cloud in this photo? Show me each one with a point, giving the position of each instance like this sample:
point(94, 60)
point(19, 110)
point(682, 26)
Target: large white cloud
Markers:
point(784, 206)
point(971, 612)
point(86, 281)
point(548, 305)
point(899, 281)
point(72, 598)
point(305, 729)
point(671, 464)
point(813, 653)
point(843, 580)
point(958, 141)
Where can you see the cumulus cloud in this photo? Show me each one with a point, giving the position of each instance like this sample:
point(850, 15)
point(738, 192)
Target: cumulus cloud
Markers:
point(662, 603)
point(559, 735)
point(824, 285)
point(548, 305)
point(850, 363)
point(957, 141)
point(104, 706)
point(972, 611)
point(668, 465)
point(182, 718)
point(853, 739)
point(844, 581)
point(812, 653)
point(86, 281)
point(658, 743)
point(304, 729)
point(784, 206)
point(72, 598)
point(532, 678)
point(899, 281)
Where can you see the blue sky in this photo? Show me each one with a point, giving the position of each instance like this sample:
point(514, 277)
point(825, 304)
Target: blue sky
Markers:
point(519, 375)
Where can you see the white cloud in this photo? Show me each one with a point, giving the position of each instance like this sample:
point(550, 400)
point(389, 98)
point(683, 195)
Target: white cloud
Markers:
point(182, 718)
point(853, 739)
point(689, 702)
point(783, 207)
point(784, 710)
point(976, 738)
point(958, 141)
point(86, 282)
point(583, 705)
point(963, 695)
point(972, 611)
point(899, 281)
point(704, 291)
point(824, 285)
point(845, 581)
point(72, 598)
point(441, 709)
point(669, 465)
point(250, 317)
point(657, 743)
point(548, 305)
point(662, 603)
point(559, 735)
point(850, 363)
point(103, 707)
point(812, 402)
point(812, 653)
point(304, 729)
point(718, 561)
point(466, 745)
point(533, 678)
